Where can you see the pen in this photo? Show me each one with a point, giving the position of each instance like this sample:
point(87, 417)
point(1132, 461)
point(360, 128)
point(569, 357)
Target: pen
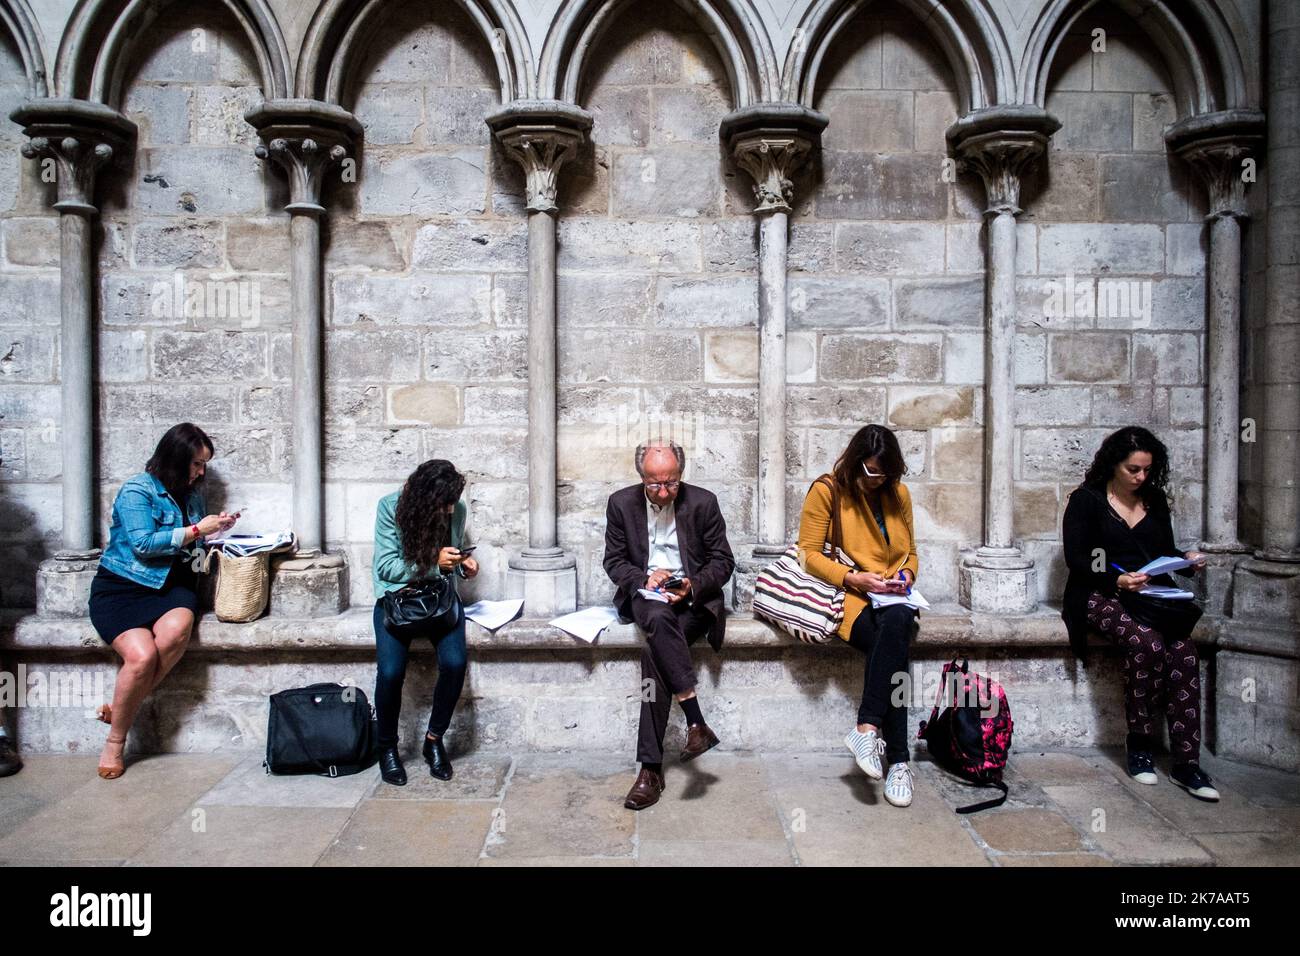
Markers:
point(1118, 568)
point(904, 580)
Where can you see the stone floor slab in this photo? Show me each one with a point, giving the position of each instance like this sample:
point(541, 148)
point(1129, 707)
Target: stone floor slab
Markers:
point(245, 836)
point(249, 785)
point(714, 853)
point(1262, 786)
point(113, 819)
point(473, 778)
point(837, 817)
point(718, 797)
point(565, 805)
point(1026, 831)
point(1125, 827)
point(44, 779)
point(1053, 859)
point(565, 861)
point(412, 833)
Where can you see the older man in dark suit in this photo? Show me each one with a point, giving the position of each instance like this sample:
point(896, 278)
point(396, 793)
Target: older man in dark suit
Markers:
point(667, 537)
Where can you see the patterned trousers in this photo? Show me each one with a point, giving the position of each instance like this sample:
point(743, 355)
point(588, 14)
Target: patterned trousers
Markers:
point(1157, 674)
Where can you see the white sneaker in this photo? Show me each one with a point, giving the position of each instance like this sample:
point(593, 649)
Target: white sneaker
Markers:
point(867, 749)
point(898, 787)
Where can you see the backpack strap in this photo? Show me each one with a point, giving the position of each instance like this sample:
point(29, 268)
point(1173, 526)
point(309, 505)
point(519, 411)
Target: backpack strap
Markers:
point(835, 536)
point(988, 804)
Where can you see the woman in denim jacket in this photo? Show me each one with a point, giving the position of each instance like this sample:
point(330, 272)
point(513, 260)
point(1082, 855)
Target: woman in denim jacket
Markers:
point(142, 600)
point(418, 532)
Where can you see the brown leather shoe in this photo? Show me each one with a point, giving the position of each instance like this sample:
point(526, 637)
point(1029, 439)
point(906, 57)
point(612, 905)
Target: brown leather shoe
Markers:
point(645, 792)
point(698, 740)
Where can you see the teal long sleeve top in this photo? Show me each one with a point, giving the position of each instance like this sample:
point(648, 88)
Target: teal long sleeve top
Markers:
point(389, 570)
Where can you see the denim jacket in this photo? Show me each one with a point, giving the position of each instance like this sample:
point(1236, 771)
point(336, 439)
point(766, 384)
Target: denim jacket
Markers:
point(389, 570)
point(148, 530)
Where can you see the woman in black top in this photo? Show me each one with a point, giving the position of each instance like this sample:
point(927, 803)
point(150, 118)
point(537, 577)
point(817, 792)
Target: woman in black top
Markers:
point(1119, 519)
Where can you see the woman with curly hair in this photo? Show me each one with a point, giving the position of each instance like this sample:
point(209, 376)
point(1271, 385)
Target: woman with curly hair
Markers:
point(1117, 521)
point(418, 532)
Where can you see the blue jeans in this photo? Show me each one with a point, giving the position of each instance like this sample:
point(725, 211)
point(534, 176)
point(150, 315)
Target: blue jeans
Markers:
point(391, 654)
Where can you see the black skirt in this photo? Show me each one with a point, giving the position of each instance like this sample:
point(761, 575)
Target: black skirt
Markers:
point(118, 604)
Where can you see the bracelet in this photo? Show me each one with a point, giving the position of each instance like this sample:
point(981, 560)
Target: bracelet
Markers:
point(195, 529)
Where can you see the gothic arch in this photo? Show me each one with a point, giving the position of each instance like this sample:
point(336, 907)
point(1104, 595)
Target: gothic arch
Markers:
point(1194, 38)
point(16, 17)
point(337, 35)
point(733, 25)
point(967, 34)
point(97, 45)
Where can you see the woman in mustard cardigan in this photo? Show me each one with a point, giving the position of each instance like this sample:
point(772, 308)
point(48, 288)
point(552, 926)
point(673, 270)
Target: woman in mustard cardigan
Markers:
point(876, 525)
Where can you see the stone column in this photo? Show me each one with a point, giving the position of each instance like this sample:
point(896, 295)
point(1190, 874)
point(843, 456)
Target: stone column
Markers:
point(1216, 145)
point(1258, 664)
point(771, 141)
point(308, 140)
point(542, 135)
point(1000, 144)
point(78, 138)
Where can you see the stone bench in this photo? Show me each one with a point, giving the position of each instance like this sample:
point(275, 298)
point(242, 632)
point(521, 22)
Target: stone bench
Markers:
point(532, 686)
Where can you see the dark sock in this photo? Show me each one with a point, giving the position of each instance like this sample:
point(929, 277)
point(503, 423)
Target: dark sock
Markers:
point(691, 707)
point(1139, 743)
point(656, 767)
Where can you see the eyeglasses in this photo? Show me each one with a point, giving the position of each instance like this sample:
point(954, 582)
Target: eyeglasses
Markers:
point(872, 474)
point(657, 486)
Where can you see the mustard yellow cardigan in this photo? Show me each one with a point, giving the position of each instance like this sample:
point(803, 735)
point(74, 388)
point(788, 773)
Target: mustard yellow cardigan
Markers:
point(863, 542)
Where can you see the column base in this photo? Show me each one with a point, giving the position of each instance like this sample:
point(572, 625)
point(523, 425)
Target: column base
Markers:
point(308, 584)
point(63, 583)
point(1214, 586)
point(998, 581)
point(547, 580)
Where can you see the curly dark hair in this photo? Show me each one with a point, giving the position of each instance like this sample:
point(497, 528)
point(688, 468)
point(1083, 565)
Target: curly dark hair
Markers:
point(870, 441)
point(1116, 447)
point(171, 459)
point(422, 521)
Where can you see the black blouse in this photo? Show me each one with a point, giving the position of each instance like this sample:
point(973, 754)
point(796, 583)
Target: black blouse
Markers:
point(1090, 524)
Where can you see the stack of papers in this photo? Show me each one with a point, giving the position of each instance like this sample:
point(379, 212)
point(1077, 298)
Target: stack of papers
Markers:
point(494, 614)
point(586, 624)
point(242, 545)
point(652, 595)
point(1172, 594)
point(915, 599)
point(1164, 566)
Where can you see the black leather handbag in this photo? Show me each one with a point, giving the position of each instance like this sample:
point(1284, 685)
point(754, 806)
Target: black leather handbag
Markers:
point(326, 729)
point(429, 607)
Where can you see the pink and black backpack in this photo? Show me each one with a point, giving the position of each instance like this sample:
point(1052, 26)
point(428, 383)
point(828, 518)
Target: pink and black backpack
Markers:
point(972, 736)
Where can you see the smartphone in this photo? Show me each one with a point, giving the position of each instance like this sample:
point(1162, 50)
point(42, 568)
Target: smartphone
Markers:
point(673, 582)
point(466, 552)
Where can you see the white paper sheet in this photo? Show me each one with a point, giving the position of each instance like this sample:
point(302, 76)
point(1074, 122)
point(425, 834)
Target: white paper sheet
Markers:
point(1164, 566)
point(239, 544)
point(1172, 594)
point(494, 614)
point(586, 624)
point(915, 599)
point(652, 595)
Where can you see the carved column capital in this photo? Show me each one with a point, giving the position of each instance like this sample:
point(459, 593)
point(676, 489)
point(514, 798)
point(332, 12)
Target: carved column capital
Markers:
point(770, 141)
point(81, 138)
point(541, 136)
point(306, 138)
point(1001, 144)
point(1219, 146)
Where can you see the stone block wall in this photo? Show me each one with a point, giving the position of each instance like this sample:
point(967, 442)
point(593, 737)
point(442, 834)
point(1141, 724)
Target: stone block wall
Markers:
point(426, 284)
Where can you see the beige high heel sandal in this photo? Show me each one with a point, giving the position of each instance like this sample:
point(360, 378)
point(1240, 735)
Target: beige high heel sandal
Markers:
point(113, 771)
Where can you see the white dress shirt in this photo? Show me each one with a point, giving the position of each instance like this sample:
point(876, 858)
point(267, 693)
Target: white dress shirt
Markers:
point(661, 526)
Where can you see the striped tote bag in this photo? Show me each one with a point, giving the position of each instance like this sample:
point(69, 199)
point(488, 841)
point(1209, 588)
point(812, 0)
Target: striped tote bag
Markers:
point(796, 601)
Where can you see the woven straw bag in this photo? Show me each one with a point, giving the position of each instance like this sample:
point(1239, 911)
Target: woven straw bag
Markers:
point(243, 586)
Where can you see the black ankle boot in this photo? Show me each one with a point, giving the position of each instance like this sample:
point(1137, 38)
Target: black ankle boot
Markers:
point(391, 769)
point(436, 756)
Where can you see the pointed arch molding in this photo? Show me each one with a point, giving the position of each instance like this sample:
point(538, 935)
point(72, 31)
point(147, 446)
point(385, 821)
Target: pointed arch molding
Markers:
point(101, 35)
point(734, 26)
point(966, 31)
point(1195, 38)
point(17, 18)
point(339, 30)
